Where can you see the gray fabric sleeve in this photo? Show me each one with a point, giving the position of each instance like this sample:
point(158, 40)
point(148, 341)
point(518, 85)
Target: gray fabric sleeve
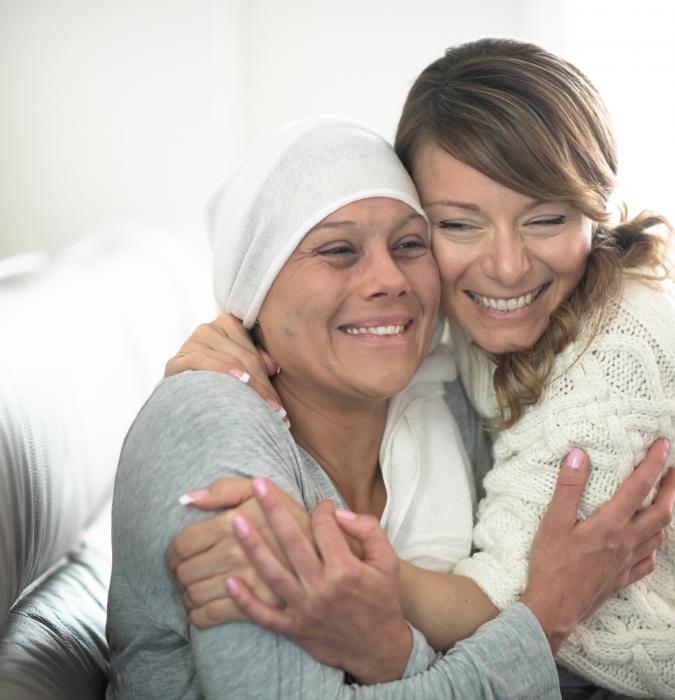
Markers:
point(422, 655)
point(195, 428)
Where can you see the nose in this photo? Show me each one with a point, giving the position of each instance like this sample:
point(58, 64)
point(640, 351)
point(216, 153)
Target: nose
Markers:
point(506, 258)
point(383, 277)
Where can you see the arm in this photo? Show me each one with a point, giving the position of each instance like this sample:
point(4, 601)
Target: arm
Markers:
point(594, 557)
point(187, 434)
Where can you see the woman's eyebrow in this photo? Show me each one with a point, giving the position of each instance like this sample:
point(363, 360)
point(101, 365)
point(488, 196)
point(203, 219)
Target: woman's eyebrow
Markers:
point(453, 203)
point(406, 219)
point(334, 224)
point(474, 207)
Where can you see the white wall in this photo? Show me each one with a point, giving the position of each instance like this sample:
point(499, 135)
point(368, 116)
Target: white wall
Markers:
point(137, 108)
point(113, 108)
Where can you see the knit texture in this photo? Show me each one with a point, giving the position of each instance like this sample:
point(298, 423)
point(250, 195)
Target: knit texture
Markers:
point(613, 398)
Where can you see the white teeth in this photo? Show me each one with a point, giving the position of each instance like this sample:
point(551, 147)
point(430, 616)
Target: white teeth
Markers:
point(506, 304)
point(376, 330)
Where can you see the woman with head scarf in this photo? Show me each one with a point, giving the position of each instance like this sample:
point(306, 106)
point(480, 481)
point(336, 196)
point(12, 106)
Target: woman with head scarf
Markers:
point(321, 246)
point(563, 325)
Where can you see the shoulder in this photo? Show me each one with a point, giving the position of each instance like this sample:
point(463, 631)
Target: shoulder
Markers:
point(195, 428)
point(202, 409)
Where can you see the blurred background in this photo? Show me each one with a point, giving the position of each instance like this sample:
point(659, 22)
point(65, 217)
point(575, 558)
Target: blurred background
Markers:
point(136, 109)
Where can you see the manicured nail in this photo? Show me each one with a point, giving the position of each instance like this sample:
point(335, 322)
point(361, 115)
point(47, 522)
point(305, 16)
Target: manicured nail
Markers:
point(192, 496)
point(345, 514)
point(277, 408)
point(241, 526)
point(241, 376)
point(666, 448)
point(232, 586)
point(575, 458)
point(260, 487)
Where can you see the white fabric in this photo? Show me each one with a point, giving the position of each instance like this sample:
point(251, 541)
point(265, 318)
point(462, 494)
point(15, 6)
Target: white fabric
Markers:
point(84, 341)
point(613, 402)
point(283, 187)
point(286, 185)
point(430, 490)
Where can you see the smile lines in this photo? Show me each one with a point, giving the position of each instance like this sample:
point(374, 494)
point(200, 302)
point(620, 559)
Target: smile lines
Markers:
point(507, 304)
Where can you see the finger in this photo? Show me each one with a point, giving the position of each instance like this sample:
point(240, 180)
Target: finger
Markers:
point(266, 616)
point(226, 492)
point(274, 574)
point(639, 484)
point(212, 562)
point(642, 569)
point(377, 549)
point(650, 520)
point(666, 493)
point(330, 540)
point(203, 592)
point(648, 547)
point(270, 365)
point(196, 539)
point(561, 514)
point(297, 547)
point(217, 612)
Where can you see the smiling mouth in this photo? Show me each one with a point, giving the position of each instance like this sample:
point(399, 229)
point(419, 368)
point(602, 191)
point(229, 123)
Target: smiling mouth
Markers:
point(512, 304)
point(383, 330)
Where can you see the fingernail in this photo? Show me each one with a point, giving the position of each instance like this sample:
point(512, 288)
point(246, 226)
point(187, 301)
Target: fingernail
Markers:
point(238, 374)
point(278, 370)
point(241, 526)
point(345, 514)
point(232, 586)
point(666, 447)
point(260, 487)
point(575, 458)
point(192, 496)
point(287, 423)
point(277, 408)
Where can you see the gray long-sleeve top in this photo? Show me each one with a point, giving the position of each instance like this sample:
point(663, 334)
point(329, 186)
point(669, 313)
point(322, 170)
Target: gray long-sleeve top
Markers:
point(195, 428)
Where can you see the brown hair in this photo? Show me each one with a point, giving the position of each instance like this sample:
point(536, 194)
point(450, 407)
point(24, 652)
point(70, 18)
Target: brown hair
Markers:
point(534, 123)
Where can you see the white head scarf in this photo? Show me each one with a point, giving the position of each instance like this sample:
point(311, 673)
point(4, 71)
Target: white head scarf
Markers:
point(284, 186)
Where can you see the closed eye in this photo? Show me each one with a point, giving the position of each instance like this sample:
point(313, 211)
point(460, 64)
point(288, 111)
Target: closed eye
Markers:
point(553, 221)
point(337, 250)
point(455, 225)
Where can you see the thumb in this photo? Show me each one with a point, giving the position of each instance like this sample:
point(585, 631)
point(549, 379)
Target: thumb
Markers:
point(366, 529)
point(227, 492)
point(562, 510)
point(270, 365)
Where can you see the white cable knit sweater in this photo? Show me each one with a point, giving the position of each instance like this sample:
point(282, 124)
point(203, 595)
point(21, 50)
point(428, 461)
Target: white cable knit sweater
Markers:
point(613, 402)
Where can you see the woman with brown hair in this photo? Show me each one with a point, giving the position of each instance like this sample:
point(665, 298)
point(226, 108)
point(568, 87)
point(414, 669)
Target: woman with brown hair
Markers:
point(564, 332)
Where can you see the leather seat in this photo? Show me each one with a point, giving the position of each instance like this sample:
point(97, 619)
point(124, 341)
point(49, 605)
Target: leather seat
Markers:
point(85, 336)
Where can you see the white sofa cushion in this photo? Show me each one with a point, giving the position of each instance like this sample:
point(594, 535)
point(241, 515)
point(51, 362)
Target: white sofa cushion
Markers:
point(84, 340)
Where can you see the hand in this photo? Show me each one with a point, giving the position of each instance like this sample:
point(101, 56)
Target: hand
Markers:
point(224, 345)
point(204, 554)
point(575, 566)
point(344, 611)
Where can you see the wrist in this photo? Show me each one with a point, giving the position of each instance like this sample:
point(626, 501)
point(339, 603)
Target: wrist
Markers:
point(388, 663)
point(555, 617)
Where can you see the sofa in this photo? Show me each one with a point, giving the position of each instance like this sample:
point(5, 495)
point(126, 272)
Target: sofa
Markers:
point(85, 334)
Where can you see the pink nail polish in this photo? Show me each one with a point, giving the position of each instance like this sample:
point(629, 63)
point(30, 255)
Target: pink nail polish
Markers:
point(232, 586)
point(274, 405)
point(575, 458)
point(666, 448)
point(260, 487)
point(244, 377)
point(192, 496)
point(240, 526)
point(345, 514)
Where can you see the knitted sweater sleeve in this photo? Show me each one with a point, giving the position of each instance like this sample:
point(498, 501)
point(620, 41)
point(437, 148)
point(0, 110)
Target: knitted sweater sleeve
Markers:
point(613, 398)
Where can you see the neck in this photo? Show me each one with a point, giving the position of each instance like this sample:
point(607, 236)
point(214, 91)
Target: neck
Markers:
point(344, 437)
